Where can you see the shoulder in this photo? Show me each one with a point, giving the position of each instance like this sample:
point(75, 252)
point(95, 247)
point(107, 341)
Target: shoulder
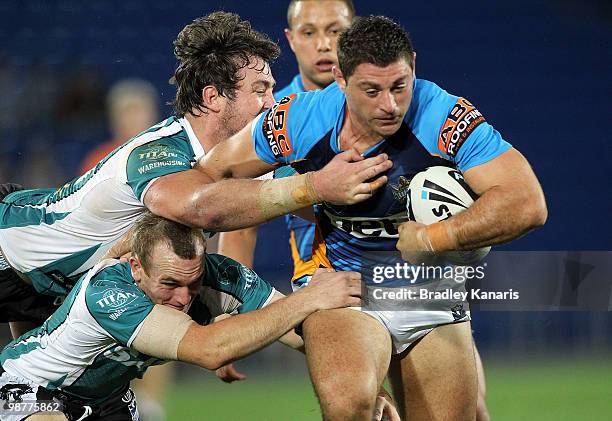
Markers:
point(296, 123)
point(222, 271)
point(162, 141)
point(112, 290)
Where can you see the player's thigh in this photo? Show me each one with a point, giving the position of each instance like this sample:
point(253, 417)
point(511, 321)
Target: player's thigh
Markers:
point(346, 350)
point(436, 378)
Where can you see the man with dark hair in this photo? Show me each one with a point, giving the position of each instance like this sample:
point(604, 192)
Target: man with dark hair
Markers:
point(121, 318)
point(50, 237)
point(378, 106)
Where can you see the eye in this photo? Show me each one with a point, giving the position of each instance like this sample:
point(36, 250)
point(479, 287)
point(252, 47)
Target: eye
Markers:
point(399, 88)
point(371, 92)
point(308, 34)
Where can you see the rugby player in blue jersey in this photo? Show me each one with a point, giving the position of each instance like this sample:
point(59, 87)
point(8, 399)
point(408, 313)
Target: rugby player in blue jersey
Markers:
point(123, 317)
point(378, 106)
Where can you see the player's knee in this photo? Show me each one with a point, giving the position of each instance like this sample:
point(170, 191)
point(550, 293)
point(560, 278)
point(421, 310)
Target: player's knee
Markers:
point(356, 400)
point(344, 408)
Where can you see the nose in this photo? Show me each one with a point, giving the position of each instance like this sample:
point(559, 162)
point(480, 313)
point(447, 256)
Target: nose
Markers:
point(268, 100)
point(324, 43)
point(183, 296)
point(387, 102)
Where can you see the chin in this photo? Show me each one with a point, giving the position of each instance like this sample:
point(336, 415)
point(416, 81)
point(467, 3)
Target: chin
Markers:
point(388, 130)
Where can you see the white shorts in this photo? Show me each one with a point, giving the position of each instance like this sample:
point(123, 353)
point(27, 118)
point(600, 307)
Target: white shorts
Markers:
point(407, 326)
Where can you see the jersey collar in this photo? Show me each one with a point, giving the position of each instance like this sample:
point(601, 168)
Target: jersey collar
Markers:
point(198, 150)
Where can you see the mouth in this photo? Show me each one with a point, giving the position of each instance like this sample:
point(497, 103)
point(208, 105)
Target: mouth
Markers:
point(388, 120)
point(324, 65)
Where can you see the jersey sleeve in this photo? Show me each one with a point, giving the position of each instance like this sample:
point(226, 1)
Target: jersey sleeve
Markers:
point(118, 305)
point(234, 287)
point(155, 159)
point(453, 128)
point(288, 131)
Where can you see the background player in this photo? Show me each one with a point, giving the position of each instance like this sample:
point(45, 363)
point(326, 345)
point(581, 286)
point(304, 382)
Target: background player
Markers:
point(132, 106)
point(121, 318)
point(378, 105)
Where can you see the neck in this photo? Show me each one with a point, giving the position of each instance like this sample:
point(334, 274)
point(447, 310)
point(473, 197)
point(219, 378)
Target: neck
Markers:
point(208, 130)
point(355, 135)
point(309, 85)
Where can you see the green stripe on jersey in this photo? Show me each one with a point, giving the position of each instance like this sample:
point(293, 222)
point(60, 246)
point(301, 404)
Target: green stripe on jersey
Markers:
point(26, 342)
point(52, 278)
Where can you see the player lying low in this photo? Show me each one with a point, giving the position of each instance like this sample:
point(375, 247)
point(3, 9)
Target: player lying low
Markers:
point(121, 318)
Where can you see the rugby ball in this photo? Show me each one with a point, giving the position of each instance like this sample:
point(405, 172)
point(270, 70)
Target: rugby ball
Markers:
point(437, 194)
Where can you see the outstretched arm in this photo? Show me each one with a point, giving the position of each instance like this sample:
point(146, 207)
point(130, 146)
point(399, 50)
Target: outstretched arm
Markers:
point(215, 345)
point(206, 196)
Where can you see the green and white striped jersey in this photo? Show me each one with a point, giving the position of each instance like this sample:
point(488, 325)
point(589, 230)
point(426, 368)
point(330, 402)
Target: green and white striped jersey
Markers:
point(84, 347)
point(54, 235)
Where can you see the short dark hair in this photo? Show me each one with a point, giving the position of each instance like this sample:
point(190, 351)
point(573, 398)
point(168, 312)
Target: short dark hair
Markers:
point(210, 51)
point(373, 39)
point(291, 8)
point(151, 230)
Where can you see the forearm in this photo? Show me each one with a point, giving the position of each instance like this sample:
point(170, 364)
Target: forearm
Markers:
point(217, 344)
point(238, 203)
point(239, 245)
point(498, 216)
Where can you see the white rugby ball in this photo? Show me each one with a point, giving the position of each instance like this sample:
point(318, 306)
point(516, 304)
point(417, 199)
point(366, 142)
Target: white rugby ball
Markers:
point(437, 194)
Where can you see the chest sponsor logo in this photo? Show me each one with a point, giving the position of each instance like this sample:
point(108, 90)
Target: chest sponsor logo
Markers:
point(274, 127)
point(460, 123)
point(116, 298)
point(368, 227)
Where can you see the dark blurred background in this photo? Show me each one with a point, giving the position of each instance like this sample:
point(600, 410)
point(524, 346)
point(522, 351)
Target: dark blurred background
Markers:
point(540, 72)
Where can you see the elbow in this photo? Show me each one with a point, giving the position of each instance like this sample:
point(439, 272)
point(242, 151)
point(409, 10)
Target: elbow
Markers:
point(535, 214)
point(212, 363)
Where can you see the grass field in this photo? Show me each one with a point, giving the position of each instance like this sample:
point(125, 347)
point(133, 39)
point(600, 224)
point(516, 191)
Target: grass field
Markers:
point(559, 390)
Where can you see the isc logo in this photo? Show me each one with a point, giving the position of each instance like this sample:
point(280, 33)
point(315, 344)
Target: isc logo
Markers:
point(369, 227)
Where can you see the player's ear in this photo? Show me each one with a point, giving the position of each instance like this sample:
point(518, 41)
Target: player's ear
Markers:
point(339, 77)
point(211, 98)
point(289, 36)
point(137, 269)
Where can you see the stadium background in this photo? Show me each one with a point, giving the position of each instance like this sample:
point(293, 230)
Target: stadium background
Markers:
point(538, 70)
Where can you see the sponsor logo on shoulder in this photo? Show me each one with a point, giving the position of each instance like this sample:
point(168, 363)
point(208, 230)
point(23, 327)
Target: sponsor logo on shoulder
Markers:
point(460, 123)
point(274, 127)
point(155, 152)
point(115, 298)
point(157, 156)
point(249, 276)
